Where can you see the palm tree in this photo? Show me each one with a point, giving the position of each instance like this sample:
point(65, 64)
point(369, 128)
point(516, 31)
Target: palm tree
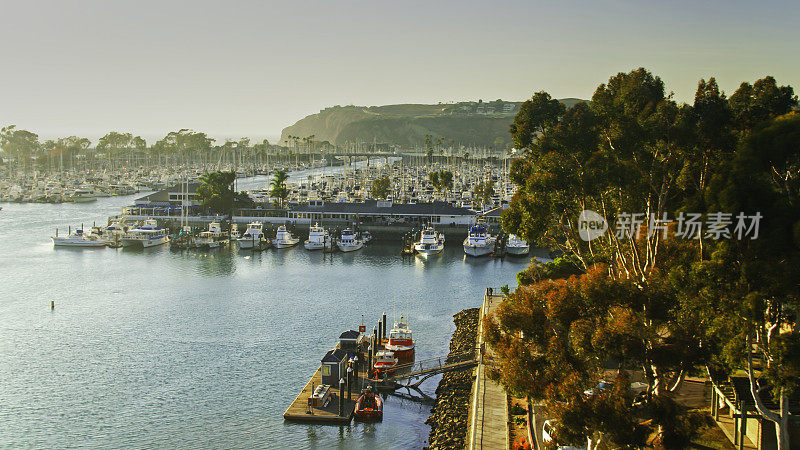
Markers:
point(278, 185)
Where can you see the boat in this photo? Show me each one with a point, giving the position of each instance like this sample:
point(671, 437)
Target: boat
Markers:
point(318, 239)
point(76, 239)
point(478, 242)
point(430, 242)
point(214, 237)
point(385, 362)
point(517, 246)
point(369, 406)
point(146, 235)
point(349, 241)
point(253, 237)
point(83, 195)
point(284, 239)
point(401, 342)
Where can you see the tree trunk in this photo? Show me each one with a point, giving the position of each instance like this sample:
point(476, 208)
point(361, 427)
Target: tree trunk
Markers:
point(781, 420)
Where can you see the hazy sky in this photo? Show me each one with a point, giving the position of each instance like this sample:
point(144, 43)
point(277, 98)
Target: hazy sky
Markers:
point(252, 68)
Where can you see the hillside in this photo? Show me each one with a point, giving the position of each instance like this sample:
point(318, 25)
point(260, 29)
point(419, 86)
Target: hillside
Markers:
point(467, 123)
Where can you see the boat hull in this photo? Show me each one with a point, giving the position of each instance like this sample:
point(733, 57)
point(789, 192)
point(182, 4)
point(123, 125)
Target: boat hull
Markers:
point(426, 252)
point(66, 242)
point(144, 243)
point(518, 251)
point(251, 244)
point(284, 244)
point(477, 251)
point(350, 247)
point(313, 245)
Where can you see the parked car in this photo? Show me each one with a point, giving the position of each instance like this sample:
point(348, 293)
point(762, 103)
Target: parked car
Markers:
point(547, 436)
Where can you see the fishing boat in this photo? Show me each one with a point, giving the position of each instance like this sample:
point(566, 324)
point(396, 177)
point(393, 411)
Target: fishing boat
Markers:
point(318, 239)
point(478, 242)
point(214, 237)
point(284, 239)
point(430, 242)
point(401, 342)
point(146, 235)
point(76, 239)
point(349, 241)
point(517, 246)
point(385, 362)
point(369, 406)
point(253, 237)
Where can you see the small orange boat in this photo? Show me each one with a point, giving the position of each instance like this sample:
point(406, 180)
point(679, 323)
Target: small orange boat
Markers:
point(369, 406)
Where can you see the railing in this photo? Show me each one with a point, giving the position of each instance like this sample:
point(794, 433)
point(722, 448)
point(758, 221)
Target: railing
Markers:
point(431, 364)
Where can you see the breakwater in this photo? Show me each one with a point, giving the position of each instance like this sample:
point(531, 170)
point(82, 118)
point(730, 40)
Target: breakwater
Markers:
point(448, 419)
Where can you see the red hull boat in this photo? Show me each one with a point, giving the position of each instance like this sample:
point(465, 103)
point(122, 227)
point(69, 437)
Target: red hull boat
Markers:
point(369, 406)
point(401, 342)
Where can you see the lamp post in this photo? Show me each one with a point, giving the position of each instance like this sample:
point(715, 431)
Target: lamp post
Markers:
point(355, 365)
point(349, 381)
point(341, 396)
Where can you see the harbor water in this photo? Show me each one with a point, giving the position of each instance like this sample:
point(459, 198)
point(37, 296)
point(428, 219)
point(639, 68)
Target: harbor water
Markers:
point(159, 348)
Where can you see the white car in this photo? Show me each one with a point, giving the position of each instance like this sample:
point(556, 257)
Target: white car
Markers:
point(547, 436)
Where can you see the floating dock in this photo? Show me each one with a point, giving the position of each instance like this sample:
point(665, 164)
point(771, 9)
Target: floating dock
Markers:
point(299, 410)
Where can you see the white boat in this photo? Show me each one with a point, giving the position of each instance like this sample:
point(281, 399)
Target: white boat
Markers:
point(478, 242)
point(82, 195)
point(430, 242)
point(253, 237)
point(349, 241)
point(214, 237)
point(111, 235)
point(318, 239)
point(517, 246)
point(284, 239)
point(401, 342)
point(146, 235)
point(76, 239)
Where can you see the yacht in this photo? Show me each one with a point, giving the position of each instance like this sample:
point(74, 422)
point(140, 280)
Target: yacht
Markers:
point(214, 237)
point(430, 242)
point(517, 246)
point(318, 239)
point(253, 237)
point(284, 239)
point(77, 239)
point(146, 235)
point(83, 195)
point(349, 241)
point(401, 342)
point(478, 242)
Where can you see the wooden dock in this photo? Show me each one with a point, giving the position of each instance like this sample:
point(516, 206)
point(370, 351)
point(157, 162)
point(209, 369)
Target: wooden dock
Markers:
point(298, 411)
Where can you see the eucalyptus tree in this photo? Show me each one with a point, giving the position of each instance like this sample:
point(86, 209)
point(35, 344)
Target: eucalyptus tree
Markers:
point(19, 144)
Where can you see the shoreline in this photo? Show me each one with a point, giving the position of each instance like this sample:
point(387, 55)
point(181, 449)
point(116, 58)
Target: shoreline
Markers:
point(448, 419)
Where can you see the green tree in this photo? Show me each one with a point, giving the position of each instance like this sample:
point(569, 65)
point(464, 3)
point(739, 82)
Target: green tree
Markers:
point(381, 187)
point(761, 101)
point(19, 144)
point(535, 116)
point(216, 191)
point(278, 185)
point(433, 177)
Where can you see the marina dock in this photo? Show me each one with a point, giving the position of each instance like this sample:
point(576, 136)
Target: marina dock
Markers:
point(300, 411)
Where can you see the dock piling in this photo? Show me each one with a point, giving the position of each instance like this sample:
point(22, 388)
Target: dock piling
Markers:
point(384, 327)
point(341, 396)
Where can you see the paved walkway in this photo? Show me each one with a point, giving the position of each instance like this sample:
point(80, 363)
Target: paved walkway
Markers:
point(488, 414)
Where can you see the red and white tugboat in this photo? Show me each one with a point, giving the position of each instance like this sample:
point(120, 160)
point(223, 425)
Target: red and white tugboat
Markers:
point(401, 342)
point(385, 362)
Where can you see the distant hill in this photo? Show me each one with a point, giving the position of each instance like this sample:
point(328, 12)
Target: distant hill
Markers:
point(481, 124)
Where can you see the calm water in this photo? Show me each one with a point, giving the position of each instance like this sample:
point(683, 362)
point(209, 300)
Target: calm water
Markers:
point(153, 348)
